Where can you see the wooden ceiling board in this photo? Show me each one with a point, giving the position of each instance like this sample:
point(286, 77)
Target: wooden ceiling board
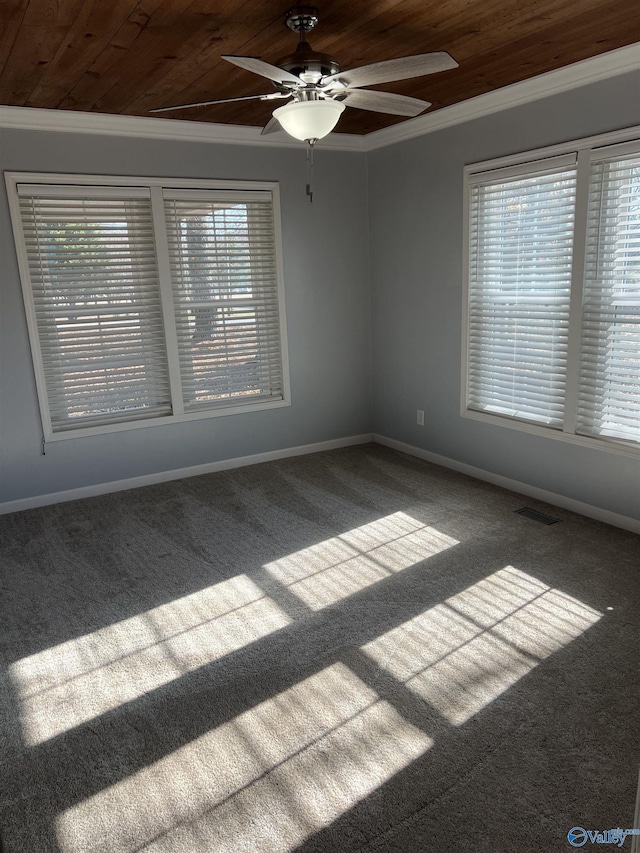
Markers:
point(203, 67)
point(93, 29)
point(486, 72)
point(97, 78)
point(128, 56)
point(11, 15)
point(149, 41)
point(42, 29)
point(209, 76)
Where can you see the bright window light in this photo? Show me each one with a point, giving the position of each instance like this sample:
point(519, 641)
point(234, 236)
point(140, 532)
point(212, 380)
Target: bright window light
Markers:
point(266, 780)
point(74, 682)
point(339, 567)
point(463, 653)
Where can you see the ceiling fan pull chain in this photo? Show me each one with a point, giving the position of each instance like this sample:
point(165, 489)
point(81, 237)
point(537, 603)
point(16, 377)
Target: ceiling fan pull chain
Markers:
point(310, 144)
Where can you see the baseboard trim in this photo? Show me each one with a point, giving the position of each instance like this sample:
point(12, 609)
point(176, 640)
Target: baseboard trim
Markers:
point(179, 473)
point(595, 512)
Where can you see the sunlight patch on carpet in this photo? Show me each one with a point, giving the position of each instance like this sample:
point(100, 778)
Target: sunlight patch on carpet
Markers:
point(76, 681)
point(266, 780)
point(463, 653)
point(339, 567)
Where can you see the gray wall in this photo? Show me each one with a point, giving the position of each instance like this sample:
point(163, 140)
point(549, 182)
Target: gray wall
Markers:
point(397, 212)
point(327, 302)
point(416, 216)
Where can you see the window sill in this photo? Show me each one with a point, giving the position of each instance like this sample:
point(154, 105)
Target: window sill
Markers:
point(105, 429)
point(610, 445)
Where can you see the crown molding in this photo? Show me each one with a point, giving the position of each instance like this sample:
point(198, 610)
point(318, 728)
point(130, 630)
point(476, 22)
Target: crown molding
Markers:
point(71, 121)
point(582, 73)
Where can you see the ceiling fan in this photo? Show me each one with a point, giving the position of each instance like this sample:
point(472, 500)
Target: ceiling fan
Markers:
point(319, 89)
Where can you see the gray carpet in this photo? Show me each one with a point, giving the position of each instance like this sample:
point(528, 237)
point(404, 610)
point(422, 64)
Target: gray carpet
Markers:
point(348, 651)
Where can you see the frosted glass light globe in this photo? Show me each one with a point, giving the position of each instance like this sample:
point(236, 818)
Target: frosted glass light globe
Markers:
point(305, 120)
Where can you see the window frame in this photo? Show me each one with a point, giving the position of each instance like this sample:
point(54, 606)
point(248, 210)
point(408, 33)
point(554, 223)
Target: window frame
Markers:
point(155, 185)
point(585, 151)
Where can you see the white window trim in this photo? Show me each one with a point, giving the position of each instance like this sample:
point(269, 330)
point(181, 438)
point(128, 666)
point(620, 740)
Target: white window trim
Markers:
point(585, 150)
point(155, 185)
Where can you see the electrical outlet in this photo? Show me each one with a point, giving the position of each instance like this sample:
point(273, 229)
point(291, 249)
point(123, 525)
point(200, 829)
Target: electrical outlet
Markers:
point(420, 417)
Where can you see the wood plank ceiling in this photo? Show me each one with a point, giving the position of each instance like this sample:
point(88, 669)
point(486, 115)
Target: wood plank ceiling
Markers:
point(128, 56)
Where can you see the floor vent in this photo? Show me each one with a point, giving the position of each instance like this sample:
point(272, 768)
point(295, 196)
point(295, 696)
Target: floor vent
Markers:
point(534, 515)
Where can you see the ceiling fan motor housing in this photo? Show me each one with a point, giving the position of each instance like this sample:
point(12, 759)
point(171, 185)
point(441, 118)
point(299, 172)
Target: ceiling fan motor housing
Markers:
point(306, 61)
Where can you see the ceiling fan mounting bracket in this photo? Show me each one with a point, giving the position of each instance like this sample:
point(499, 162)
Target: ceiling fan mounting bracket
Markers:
point(302, 19)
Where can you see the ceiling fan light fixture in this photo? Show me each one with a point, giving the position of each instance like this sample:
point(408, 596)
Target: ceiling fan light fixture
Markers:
point(307, 120)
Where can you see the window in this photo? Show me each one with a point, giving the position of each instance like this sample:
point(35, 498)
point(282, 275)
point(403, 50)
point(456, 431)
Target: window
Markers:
point(149, 302)
point(521, 244)
point(609, 389)
point(553, 295)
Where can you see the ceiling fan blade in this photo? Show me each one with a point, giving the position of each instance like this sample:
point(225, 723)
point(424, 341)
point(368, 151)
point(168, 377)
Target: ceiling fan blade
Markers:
point(394, 69)
point(272, 126)
point(271, 72)
point(384, 102)
point(270, 97)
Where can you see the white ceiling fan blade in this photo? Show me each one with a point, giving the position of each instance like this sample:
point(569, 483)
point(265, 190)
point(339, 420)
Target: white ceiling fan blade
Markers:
point(394, 69)
point(270, 97)
point(272, 126)
point(384, 102)
point(271, 72)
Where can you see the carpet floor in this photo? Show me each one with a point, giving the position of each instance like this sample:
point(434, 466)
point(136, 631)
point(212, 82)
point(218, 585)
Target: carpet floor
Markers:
point(347, 651)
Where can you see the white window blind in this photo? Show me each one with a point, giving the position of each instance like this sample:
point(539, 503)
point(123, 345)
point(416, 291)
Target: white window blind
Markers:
point(94, 286)
point(609, 388)
point(149, 300)
point(520, 253)
point(223, 268)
